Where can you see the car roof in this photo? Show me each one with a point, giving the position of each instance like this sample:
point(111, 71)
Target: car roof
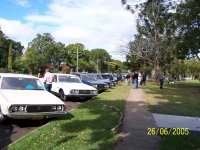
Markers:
point(65, 74)
point(16, 75)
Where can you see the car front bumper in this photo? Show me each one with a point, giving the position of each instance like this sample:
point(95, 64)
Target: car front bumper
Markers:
point(102, 88)
point(81, 95)
point(39, 115)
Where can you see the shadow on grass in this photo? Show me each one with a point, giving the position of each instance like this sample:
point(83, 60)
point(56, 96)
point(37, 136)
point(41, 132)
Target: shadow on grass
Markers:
point(99, 121)
point(180, 142)
point(95, 128)
point(178, 99)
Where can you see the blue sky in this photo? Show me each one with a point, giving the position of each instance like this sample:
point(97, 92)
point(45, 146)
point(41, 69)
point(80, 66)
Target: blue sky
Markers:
point(96, 24)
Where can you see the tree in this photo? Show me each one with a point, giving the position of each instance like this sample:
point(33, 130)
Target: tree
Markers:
point(32, 60)
point(2, 49)
point(46, 46)
point(188, 28)
point(193, 68)
point(153, 45)
point(100, 57)
point(69, 55)
point(6, 48)
point(10, 57)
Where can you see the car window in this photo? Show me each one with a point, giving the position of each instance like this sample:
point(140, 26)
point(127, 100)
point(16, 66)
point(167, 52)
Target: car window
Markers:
point(70, 79)
point(85, 77)
point(55, 78)
point(91, 77)
point(99, 77)
point(19, 83)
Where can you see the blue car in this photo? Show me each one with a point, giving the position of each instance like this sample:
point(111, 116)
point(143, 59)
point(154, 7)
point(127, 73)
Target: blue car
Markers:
point(98, 77)
point(109, 77)
point(89, 80)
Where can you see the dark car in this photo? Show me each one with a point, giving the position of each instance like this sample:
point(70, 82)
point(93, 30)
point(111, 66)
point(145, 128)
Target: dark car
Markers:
point(89, 80)
point(109, 77)
point(98, 77)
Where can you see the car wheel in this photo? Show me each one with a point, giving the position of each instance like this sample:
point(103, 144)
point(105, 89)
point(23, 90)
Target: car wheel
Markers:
point(2, 117)
point(62, 95)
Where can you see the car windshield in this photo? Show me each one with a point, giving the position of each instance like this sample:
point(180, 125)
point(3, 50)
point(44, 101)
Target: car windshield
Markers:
point(87, 77)
point(21, 83)
point(92, 77)
point(69, 79)
point(110, 77)
point(99, 77)
point(104, 76)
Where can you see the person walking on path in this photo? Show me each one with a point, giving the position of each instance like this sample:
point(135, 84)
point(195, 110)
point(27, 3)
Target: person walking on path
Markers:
point(144, 78)
point(135, 80)
point(139, 78)
point(136, 122)
point(161, 81)
point(48, 79)
point(127, 78)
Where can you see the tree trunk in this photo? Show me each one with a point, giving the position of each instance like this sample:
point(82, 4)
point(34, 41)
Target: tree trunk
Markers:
point(155, 71)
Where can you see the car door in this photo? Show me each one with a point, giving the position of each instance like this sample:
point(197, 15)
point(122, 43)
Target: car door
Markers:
point(55, 85)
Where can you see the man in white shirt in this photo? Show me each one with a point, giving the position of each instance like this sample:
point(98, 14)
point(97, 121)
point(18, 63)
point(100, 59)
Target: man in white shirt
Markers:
point(48, 79)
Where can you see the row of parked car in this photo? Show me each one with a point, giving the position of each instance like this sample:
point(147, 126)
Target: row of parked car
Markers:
point(24, 96)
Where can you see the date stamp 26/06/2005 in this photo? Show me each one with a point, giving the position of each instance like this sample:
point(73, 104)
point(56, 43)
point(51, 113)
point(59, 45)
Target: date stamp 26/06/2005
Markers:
point(167, 131)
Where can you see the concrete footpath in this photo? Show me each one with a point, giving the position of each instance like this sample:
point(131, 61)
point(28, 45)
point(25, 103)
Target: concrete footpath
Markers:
point(136, 121)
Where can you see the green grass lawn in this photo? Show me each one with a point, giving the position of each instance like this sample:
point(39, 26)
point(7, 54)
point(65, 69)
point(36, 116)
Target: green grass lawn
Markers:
point(187, 142)
point(182, 98)
point(88, 127)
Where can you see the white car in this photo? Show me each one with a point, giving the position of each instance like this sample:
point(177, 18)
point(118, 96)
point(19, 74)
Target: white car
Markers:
point(24, 97)
point(68, 85)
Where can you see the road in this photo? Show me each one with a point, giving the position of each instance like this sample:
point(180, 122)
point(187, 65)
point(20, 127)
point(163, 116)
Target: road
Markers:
point(18, 128)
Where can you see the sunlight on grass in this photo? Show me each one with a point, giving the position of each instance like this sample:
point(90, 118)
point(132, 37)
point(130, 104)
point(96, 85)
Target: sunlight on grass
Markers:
point(87, 127)
point(181, 98)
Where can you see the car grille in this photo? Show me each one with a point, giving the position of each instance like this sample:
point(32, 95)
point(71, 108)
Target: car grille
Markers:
point(84, 92)
point(36, 108)
point(100, 85)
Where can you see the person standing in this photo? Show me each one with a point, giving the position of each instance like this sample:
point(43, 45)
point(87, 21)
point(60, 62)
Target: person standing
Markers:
point(127, 79)
point(119, 78)
point(48, 79)
point(161, 81)
point(139, 78)
point(143, 78)
point(40, 72)
point(135, 80)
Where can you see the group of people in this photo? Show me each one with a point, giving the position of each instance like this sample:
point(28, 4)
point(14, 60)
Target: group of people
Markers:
point(136, 78)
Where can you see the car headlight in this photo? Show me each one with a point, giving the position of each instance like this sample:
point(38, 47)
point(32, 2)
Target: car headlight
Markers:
point(106, 86)
point(54, 108)
point(15, 108)
point(74, 92)
point(57, 108)
point(94, 85)
point(93, 92)
point(19, 108)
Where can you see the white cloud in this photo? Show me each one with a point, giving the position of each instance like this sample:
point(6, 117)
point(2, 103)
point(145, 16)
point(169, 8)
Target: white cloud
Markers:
point(23, 3)
point(18, 31)
point(97, 24)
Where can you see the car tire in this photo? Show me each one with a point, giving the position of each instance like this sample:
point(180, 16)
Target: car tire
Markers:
point(62, 95)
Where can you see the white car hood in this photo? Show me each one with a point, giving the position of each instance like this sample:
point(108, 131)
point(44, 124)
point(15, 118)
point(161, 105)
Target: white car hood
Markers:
point(77, 86)
point(30, 97)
